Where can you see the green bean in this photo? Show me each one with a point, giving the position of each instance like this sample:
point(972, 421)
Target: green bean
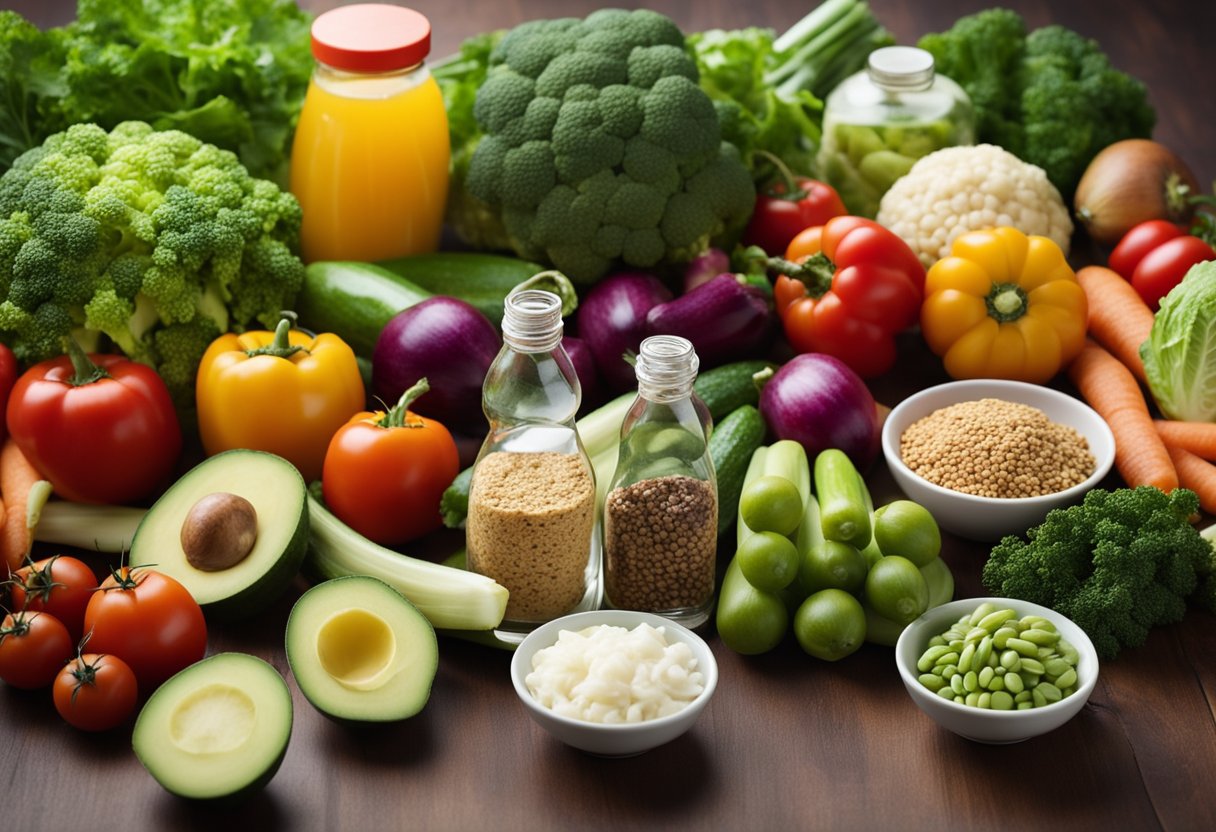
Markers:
point(972, 699)
point(964, 660)
point(971, 681)
point(1050, 692)
point(985, 677)
point(1038, 697)
point(1010, 660)
point(1068, 652)
point(1066, 680)
point(983, 651)
point(948, 672)
point(985, 700)
point(1001, 637)
point(932, 682)
point(1001, 701)
point(947, 658)
point(1056, 666)
point(1038, 622)
point(978, 615)
point(1033, 666)
point(946, 693)
point(1024, 706)
point(1040, 637)
point(1022, 696)
point(930, 657)
point(956, 684)
point(936, 641)
point(975, 634)
point(1013, 682)
point(993, 620)
point(997, 683)
point(1023, 647)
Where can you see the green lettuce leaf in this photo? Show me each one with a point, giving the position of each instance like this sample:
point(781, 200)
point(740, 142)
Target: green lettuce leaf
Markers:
point(1180, 353)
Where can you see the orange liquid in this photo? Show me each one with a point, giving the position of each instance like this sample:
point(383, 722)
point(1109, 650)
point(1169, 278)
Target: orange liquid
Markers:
point(370, 167)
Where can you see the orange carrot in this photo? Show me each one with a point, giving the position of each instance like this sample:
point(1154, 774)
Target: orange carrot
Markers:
point(1197, 474)
point(1119, 319)
point(17, 479)
point(1111, 390)
point(1197, 437)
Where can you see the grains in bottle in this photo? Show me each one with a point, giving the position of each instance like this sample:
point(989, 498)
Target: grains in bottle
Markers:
point(996, 448)
point(660, 544)
point(529, 527)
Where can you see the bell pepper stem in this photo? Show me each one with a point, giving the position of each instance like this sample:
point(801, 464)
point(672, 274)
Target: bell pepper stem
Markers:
point(86, 372)
point(281, 346)
point(395, 417)
point(815, 272)
point(1006, 302)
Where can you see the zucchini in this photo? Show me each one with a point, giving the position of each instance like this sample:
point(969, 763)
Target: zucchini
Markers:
point(731, 446)
point(449, 598)
point(483, 280)
point(354, 301)
point(844, 500)
point(726, 388)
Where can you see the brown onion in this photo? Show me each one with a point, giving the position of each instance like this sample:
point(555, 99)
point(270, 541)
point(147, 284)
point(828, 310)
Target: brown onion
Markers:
point(1132, 181)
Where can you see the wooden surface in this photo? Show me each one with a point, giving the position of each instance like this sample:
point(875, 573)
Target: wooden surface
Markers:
point(787, 742)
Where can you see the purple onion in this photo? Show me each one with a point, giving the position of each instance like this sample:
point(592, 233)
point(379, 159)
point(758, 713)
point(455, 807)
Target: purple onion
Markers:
point(446, 341)
point(705, 267)
point(725, 319)
point(818, 401)
point(612, 320)
point(584, 366)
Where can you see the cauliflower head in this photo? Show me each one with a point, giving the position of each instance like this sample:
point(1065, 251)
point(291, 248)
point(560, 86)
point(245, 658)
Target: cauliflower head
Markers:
point(601, 148)
point(959, 189)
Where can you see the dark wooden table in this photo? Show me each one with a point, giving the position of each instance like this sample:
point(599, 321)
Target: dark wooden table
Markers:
point(788, 742)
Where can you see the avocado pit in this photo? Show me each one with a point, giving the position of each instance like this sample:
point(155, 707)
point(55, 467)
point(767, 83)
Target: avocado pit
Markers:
point(219, 531)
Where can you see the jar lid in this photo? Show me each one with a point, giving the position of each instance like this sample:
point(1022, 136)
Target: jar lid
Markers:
point(901, 68)
point(371, 37)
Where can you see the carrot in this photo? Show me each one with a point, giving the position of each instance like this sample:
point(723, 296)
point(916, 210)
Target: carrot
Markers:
point(17, 479)
point(1197, 437)
point(1119, 319)
point(1111, 390)
point(1197, 474)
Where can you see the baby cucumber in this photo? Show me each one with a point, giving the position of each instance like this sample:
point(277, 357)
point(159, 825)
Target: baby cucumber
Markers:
point(774, 500)
point(731, 446)
point(353, 301)
point(844, 501)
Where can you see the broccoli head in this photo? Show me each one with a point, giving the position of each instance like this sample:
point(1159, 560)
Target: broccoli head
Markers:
point(150, 241)
point(1119, 564)
point(601, 148)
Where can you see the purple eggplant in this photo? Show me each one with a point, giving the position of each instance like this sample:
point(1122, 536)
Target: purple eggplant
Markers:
point(612, 320)
point(725, 319)
point(452, 345)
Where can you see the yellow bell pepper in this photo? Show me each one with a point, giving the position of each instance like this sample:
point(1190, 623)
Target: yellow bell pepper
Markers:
point(285, 392)
point(1004, 305)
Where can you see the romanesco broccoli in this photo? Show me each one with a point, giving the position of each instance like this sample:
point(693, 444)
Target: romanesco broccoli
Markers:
point(1118, 564)
point(154, 241)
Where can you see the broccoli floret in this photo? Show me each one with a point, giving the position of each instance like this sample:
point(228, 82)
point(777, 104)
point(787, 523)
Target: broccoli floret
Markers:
point(1119, 564)
point(134, 234)
point(601, 148)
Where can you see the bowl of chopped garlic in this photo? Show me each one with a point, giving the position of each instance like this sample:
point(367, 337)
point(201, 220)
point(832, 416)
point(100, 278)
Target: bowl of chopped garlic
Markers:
point(989, 457)
point(614, 683)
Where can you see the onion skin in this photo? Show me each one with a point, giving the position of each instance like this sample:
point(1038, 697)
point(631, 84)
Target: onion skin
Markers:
point(1132, 181)
point(584, 367)
point(612, 321)
point(817, 401)
point(450, 344)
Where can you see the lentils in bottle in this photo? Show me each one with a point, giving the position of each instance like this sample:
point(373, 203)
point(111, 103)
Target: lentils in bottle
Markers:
point(661, 512)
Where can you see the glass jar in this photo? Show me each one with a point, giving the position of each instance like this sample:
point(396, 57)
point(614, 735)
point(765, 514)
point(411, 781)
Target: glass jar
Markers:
point(369, 161)
point(531, 519)
point(660, 517)
point(878, 122)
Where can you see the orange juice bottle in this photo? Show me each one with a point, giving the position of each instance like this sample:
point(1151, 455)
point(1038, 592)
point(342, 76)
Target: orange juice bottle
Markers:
point(370, 160)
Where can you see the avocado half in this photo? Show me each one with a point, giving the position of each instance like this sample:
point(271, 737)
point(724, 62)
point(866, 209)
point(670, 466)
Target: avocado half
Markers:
point(280, 498)
point(217, 729)
point(360, 651)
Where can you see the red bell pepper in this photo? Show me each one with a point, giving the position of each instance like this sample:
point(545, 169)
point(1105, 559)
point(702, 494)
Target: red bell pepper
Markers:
point(788, 206)
point(1155, 255)
point(101, 428)
point(846, 289)
point(8, 377)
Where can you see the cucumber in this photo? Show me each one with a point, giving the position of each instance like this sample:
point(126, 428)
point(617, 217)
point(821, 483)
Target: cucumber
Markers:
point(844, 502)
point(354, 300)
point(726, 388)
point(731, 446)
point(483, 280)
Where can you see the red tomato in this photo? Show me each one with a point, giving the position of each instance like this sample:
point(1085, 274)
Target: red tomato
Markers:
point(1163, 268)
point(148, 620)
point(8, 377)
point(1139, 241)
point(95, 692)
point(385, 472)
point(59, 585)
point(33, 648)
point(104, 432)
point(859, 285)
point(779, 215)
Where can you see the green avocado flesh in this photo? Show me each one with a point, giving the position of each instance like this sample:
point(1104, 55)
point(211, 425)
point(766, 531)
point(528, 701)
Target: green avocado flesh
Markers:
point(280, 498)
point(360, 651)
point(217, 729)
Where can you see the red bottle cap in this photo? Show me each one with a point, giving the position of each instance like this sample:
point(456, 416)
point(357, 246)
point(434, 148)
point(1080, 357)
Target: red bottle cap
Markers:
point(371, 37)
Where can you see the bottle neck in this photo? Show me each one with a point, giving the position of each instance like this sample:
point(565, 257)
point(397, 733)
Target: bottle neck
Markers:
point(369, 85)
point(532, 321)
point(666, 368)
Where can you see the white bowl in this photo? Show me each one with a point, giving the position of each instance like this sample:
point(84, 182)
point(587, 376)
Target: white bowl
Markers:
point(615, 740)
point(990, 518)
point(979, 724)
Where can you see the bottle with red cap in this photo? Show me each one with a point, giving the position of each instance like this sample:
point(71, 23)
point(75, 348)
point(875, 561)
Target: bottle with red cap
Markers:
point(370, 160)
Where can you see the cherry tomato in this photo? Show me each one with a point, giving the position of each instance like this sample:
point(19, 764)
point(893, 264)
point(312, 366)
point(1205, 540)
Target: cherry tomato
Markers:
point(384, 472)
point(1164, 267)
point(101, 428)
point(148, 620)
point(33, 648)
point(780, 213)
point(1139, 241)
point(59, 585)
point(95, 692)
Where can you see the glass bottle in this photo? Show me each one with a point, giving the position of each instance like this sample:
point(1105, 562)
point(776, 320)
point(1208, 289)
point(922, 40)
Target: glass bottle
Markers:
point(878, 122)
point(660, 526)
point(531, 519)
point(369, 160)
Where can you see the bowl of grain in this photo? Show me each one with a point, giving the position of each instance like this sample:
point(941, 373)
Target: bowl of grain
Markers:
point(990, 457)
point(614, 683)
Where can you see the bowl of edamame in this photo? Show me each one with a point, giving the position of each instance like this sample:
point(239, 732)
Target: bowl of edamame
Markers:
point(997, 670)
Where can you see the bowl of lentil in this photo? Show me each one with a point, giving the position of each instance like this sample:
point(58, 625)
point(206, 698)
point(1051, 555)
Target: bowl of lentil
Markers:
point(989, 457)
point(614, 683)
point(1021, 669)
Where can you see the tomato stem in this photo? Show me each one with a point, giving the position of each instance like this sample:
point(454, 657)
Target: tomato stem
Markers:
point(395, 417)
point(86, 372)
point(785, 176)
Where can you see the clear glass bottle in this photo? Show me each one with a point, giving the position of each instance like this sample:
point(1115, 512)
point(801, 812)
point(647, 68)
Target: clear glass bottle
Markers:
point(878, 122)
point(531, 520)
point(369, 161)
point(660, 519)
